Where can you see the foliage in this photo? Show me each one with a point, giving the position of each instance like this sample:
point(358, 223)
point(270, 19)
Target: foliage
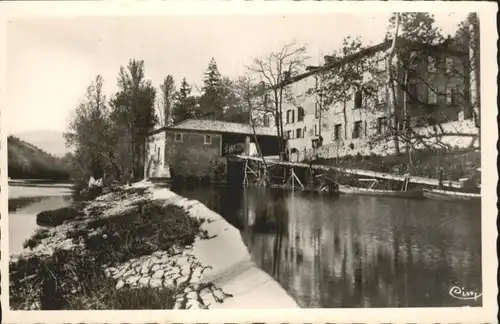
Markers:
point(26, 161)
point(90, 134)
point(166, 101)
point(57, 217)
point(133, 108)
point(141, 231)
point(75, 279)
point(39, 235)
point(212, 99)
point(416, 26)
point(185, 105)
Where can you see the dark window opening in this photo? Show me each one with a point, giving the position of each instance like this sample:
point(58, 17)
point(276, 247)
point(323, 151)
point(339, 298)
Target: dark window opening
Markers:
point(382, 124)
point(299, 133)
point(266, 121)
point(300, 114)
point(357, 130)
point(358, 99)
point(338, 132)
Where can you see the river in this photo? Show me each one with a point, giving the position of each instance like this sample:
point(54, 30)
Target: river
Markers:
point(328, 252)
point(353, 251)
point(25, 202)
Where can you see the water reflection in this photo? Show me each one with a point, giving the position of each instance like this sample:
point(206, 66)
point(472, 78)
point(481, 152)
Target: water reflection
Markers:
point(22, 215)
point(356, 251)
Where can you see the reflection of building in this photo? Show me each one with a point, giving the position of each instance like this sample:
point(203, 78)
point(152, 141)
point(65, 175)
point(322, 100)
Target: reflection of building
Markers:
point(438, 92)
point(198, 148)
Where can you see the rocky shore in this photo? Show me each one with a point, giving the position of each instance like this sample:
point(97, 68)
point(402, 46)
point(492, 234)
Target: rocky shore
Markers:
point(141, 247)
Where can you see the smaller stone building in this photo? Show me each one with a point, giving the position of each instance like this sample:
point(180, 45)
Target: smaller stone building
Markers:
point(199, 148)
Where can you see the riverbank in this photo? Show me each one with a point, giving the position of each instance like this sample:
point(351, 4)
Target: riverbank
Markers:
point(141, 247)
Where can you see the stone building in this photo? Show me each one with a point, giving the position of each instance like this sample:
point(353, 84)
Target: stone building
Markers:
point(198, 148)
point(436, 102)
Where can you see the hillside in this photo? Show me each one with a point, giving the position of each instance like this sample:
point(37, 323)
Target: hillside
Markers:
point(26, 161)
point(49, 141)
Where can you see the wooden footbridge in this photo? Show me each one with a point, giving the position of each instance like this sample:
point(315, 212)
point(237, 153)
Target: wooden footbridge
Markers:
point(258, 168)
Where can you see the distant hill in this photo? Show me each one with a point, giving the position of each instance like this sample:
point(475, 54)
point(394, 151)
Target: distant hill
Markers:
point(27, 161)
point(47, 140)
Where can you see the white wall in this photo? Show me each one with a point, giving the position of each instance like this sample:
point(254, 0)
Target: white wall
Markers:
point(158, 167)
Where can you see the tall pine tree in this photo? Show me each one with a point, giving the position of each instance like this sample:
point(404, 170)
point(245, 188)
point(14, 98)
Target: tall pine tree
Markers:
point(184, 106)
point(212, 98)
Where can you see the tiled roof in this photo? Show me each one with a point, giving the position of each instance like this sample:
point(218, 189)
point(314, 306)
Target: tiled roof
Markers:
point(222, 127)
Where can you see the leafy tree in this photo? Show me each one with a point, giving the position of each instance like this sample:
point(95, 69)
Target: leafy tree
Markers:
point(185, 105)
point(133, 107)
point(275, 71)
point(212, 98)
point(167, 97)
point(415, 26)
point(89, 132)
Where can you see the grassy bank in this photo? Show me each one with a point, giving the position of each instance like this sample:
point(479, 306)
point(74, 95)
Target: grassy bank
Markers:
point(69, 265)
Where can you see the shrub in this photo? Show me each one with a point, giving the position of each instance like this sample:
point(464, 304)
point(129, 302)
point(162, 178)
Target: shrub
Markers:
point(140, 231)
point(35, 239)
point(57, 217)
point(74, 280)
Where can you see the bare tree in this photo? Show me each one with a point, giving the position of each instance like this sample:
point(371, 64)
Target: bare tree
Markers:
point(277, 70)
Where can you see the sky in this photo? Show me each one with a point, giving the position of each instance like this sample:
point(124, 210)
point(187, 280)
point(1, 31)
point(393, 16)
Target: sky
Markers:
point(50, 62)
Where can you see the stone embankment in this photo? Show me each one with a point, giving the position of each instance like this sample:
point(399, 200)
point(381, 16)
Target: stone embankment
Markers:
point(215, 271)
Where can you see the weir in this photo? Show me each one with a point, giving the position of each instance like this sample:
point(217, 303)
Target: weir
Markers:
point(259, 171)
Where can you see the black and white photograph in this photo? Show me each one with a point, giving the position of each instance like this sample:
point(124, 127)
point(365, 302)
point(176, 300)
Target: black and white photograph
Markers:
point(273, 161)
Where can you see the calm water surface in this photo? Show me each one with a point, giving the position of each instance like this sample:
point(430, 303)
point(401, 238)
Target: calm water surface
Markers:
point(25, 202)
point(354, 251)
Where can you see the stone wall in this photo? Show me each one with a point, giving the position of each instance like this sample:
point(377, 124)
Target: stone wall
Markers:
point(192, 157)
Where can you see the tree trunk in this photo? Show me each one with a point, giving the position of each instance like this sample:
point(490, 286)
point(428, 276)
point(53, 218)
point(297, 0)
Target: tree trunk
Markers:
point(281, 120)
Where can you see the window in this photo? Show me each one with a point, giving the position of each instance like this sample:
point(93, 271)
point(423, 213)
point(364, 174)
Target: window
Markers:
point(412, 92)
point(451, 94)
point(299, 133)
point(431, 64)
point(207, 140)
point(382, 125)
point(356, 131)
point(266, 121)
point(288, 135)
point(300, 114)
point(337, 135)
point(158, 154)
point(382, 94)
point(178, 137)
point(431, 96)
point(316, 129)
point(449, 62)
point(358, 99)
point(290, 116)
